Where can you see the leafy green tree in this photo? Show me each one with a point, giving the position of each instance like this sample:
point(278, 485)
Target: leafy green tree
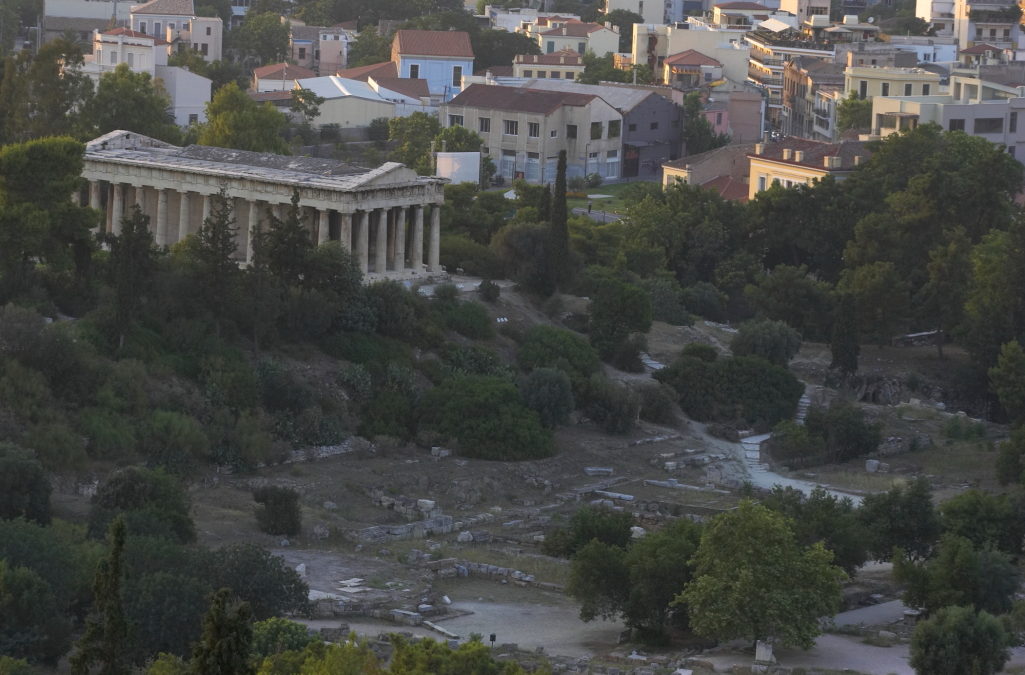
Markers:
point(284, 246)
point(24, 485)
point(211, 254)
point(276, 635)
point(549, 393)
point(624, 20)
point(943, 296)
point(881, 299)
point(698, 134)
point(224, 647)
point(792, 295)
point(987, 520)
point(823, 517)
point(493, 47)
point(131, 101)
point(427, 656)
point(617, 310)
point(844, 345)
point(43, 93)
point(132, 268)
point(486, 417)
point(551, 347)
point(236, 121)
point(1007, 379)
point(165, 610)
point(752, 580)
point(558, 246)
point(369, 48)
point(263, 37)
point(413, 136)
point(774, 341)
point(12, 666)
point(958, 640)
point(958, 574)
point(902, 517)
point(586, 524)
point(598, 69)
point(306, 103)
point(105, 641)
point(259, 578)
point(843, 429)
point(1010, 463)
point(33, 624)
point(659, 565)
point(458, 138)
point(152, 503)
point(173, 441)
point(995, 307)
point(613, 406)
point(854, 113)
point(279, 511)
point(599, 580)
point(57, 553)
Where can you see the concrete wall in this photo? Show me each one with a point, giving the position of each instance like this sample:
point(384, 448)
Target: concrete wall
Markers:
point(189, 93)
point(350, 111)
point(654, 146)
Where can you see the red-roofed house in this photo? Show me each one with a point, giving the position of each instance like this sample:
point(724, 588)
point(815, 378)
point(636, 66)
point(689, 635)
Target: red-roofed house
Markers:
point(690, 69)
point(524, 129)
point(442, 57)
point(580, 37)
point(279, 76)
point(564, 65)
point(364, 73)
point(800, 161)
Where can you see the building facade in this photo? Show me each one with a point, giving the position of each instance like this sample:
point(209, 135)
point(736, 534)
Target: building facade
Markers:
point(176, 22)
point(382, 215)
point(580, 37)
point(802, 81)
point(872, 81)
point(441, 57)
point(564, 65)
point(797, 161)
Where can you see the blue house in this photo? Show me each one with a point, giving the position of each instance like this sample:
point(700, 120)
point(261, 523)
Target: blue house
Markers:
point(442, 57)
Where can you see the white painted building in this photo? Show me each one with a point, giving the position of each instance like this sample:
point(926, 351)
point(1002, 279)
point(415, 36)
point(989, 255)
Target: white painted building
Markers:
point(176, 22)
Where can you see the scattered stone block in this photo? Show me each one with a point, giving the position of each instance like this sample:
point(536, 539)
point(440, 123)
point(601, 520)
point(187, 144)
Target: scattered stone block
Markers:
point(330, 506)
point(598, 470)
point(464, 537)
point(871, 465)
point(301, 569)
point(637, 532)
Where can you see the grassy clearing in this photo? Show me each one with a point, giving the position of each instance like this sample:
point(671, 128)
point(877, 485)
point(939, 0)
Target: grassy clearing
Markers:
point(615, 204)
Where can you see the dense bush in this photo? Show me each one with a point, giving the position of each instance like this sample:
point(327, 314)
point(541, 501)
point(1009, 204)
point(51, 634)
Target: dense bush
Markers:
point(612, 406)
point(486, 417)
point(24, 486)
point(488, 290)
point(459, 252)
point(548, 392)
point(667, 303)
point(700, 350)
point(550, 347)
point(587, 523)
point(276, 635)
point(469, 319)
point(774, 341)
point(705, 300)
point(657, 403)
point(153, 503)
point(278, 511)
point(844, 430)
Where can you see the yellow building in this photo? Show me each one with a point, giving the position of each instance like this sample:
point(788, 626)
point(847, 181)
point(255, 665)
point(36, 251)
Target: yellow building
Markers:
point(872, 81)
point(799, 161)
point(564, 65)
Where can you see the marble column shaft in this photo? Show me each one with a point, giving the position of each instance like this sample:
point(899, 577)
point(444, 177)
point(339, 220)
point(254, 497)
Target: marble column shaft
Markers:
point(161, 236)
point(363, 241)
point(381, 246)
point(434, 254)
point(401, 217)
point(183, 215)
point(417, 256)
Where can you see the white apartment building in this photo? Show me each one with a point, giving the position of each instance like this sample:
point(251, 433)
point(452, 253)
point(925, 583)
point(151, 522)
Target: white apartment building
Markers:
point(176, 22)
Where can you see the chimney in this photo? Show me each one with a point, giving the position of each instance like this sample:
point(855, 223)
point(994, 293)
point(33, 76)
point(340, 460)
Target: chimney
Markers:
point(563, 30)
point(798, 156)
point(787, 152)
point(759, 148)
point(857, 160)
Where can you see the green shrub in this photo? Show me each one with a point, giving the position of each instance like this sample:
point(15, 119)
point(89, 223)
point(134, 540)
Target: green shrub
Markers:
point(550, 347)
point(667, 300)
point(612, 406)
point(700, 350)
point(488, 290)
point(792, 441)
point(548, 392)
point(276, 635)
point(460, 252)
point(469, 319)
point(278, 511)
point(587, 524)
point(473, 360)
point(152, 501)
point(843, 429)
point(705, 300)
point(774, 341)
point(173, 441)
point(367, 349)
point(657, 403)
point(388, 413)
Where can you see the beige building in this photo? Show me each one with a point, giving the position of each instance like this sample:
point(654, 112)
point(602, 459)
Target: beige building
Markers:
point(378, 214)
point(869, 82)
point(799, 161)
point(565, 65)
point(654, 44)
point(524, 129)
point(176, 22)
point(724, 170)
point(652, 11)
point(322, 49)
point(279, 77)
point(805, 9)
point(580, 37)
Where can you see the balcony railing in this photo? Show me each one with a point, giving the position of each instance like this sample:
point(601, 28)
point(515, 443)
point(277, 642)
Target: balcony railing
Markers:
point(765, 59)
point(1010, 14)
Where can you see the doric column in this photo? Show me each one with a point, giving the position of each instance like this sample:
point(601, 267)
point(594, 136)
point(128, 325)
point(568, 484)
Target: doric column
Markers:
point(161, 217)
point(363, 241)
point(434, 254)
point(323, 226)
point(381, 246)
point(139, 197)
point(345, 230)
point(206, 208)
point(401, 215)
point(94, 194)
point(183, 216)
point(253, 229)
point(117, 210)
point(417, 254)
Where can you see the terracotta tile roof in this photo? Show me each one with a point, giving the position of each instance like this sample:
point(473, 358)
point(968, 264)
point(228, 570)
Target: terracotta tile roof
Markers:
point(566, 57)
point(742, 5)
point(546, 20)
point(282, 71)
point(275, 97)
point(980, 49)
point(518, 99)
point(575, 29)
point(496, 71)
point(434, 43)
point(728, 187)
point(815, 152)
point(414, 88)
point(348, 25)
point(133, 34)
point(171, 7)
point(691, 57)
point(374, 70)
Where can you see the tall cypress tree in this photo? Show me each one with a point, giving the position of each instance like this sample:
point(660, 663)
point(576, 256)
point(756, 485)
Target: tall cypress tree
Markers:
point(105, 642)
point(132, 266)
point(213, 256)
point(544, 204)
point(558, 239)
point(844, 343)
point(227, 634)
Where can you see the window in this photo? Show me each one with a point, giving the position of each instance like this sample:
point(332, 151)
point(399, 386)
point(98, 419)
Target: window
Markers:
point(113, 57)
point(1007, 33)
point(455, 120)
point(204, 49)
point(907, 89)
point(533, 129)
point(142, 26)
point(131, 59)
point(550, 47)
point(956, 125)
point(316, 54)
point(989, 125)
point(654, 125)
point(532, 169)
point(208, 30)
point(542, 74)
point(568, 75)
point(510, 127)
point(761, 183)
point(457, 76)
point(925, 90)
point(194, 118)
point(596, 129)
point(156, 28)
point(718, 119)
point(185, 25)
point(581, 47)
point(484, 125)
point(414, 71)
point(528, 73)
point(631, 127)
point(553, 134)
point(612, 164)
point(507, 167)
point(302, 52)
point(171, 26)
point(992, 32)
point(1010, 150)
point(1012, 123)
point(886, 88)
point(571, 131)
point(614, 128)
point(862, 89)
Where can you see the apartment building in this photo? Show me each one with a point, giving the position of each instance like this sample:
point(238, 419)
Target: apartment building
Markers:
point(176, 22)
point(564, 65)
point(798, 161)
point(994, 22)
point(872, 81)
point(653, 45)
point(804, 112)
point(579, 37)
point(322, 49)
point(442, 57)
point(525, 129)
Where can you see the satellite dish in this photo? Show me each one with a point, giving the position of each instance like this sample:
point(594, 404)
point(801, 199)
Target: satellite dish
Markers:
point(871, 19)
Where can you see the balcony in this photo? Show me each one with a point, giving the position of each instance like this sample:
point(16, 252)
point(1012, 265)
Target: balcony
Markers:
point(762, 77)
point(1003, 15)
point(764, 37)
point(765, 59)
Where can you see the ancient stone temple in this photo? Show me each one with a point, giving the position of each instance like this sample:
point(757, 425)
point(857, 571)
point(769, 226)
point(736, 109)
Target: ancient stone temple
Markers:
point(379, 214)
